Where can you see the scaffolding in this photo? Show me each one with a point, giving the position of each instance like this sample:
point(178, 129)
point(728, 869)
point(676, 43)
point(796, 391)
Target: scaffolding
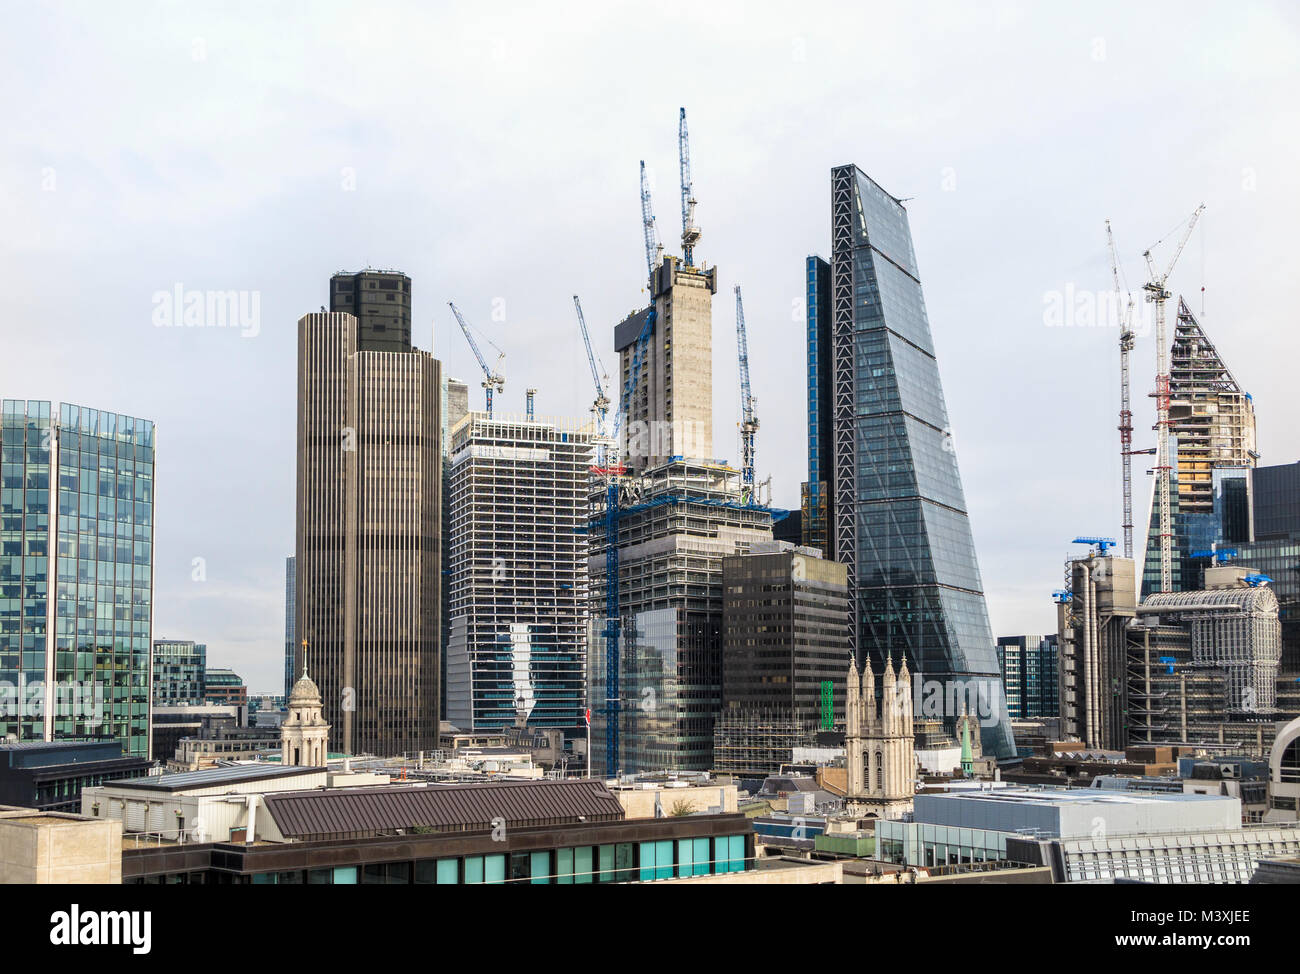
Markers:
point(756, 743)
point(1234, 630)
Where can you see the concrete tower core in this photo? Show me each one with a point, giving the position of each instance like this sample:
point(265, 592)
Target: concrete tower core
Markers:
point(671, 412)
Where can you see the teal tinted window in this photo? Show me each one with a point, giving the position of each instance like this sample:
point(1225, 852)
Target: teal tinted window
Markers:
point(703, 861)
point(473, 869)
point(540, 866)
point(564, 866)
point(582, 857)
point(606, 854)
point(448, 871)
point(494, 869)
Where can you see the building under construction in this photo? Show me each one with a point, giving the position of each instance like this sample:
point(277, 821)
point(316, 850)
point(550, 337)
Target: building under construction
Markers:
point(679, 522)
point(670, 411)
point(517, 494)
point(1180, 668)
point(1212, 422)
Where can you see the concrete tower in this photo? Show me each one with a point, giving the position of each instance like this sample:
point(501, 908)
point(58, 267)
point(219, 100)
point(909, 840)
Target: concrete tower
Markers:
point(671, 412)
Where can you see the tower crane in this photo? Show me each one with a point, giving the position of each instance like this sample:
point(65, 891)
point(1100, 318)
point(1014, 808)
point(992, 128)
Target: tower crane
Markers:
point(600, 406)
point(749, 418)
point(1159, 294)
point(1126, 342)
point(491, 380)
point(611, 471)
point(690, 232)
point(654, 250)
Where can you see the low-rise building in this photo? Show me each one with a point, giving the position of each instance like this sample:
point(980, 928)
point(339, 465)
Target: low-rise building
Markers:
point(50, 775)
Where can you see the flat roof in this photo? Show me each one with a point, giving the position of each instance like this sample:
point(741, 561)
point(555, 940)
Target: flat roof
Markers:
point(210, 777)
point(1072, 796)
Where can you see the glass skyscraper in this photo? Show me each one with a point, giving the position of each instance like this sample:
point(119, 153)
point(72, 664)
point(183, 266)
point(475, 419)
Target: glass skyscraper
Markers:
point(76, 574)
point(899, 514)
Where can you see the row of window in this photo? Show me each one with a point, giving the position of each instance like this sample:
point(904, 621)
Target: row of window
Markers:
point(624, 862)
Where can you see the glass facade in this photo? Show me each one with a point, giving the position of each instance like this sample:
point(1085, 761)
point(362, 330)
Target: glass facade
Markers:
point(179, 672)
point(623, 862)
point(1029, 675)
point(900, 521)
point(76, 572)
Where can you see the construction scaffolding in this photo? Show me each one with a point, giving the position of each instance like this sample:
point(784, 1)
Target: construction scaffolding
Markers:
point(1235, 630)
point(757, 743)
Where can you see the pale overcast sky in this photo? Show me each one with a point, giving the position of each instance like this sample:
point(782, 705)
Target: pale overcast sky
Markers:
point(259, 147)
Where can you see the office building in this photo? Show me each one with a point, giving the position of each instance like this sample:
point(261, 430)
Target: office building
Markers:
point(816, 503)
point(784, 632)
point(1030, 667)
point(179, 672)
point(1212, 426)
point(76, 574)
point(381, 303)
point(784, 642)
point(899, 515)
point(369, 522)
point(49, 775)
point(1275, 552)
point(221, 686)
point(517, 502)
point(455, 405)
point(290, 620)
point(686, 518)
point(1234, 629)
point(288, 818)
point(1093, 617)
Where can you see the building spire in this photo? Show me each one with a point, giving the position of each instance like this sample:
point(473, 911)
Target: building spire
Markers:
point(304, 656)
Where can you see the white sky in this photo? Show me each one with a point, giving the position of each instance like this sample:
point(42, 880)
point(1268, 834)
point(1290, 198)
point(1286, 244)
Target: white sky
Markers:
point(494, 156)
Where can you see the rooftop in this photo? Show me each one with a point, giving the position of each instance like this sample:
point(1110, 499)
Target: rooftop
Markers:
point(460, 807)
point(212, 777)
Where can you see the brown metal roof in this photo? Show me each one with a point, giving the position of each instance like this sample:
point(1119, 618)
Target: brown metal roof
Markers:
point(451, 808)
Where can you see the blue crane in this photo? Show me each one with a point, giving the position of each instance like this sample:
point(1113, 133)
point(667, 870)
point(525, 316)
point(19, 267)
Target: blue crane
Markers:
point(690, 232)
point(1101, 543)
point(601, 404)
point(749, 419)
point(491, 380)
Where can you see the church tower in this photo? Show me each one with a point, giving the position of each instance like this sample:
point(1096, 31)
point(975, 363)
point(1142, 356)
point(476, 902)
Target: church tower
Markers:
point(304, 735)
point(878, 742)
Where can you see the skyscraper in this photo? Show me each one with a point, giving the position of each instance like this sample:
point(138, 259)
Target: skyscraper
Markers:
point(368, 558)
point(290, 621)
point(76, 574)
point(517, 499)
point(1213, 450)
point(900, 523)
point(816, 505)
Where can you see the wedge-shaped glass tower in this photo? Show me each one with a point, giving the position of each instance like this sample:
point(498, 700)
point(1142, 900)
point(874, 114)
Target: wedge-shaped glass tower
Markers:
point(899, 514)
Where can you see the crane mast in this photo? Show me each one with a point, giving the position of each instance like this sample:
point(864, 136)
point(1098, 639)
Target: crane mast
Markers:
point(1159, 294)
point(600, 406)
point(748, 416)
point(1125, 411)
point(491, 380)
point(653, 248)
point(690, 232)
